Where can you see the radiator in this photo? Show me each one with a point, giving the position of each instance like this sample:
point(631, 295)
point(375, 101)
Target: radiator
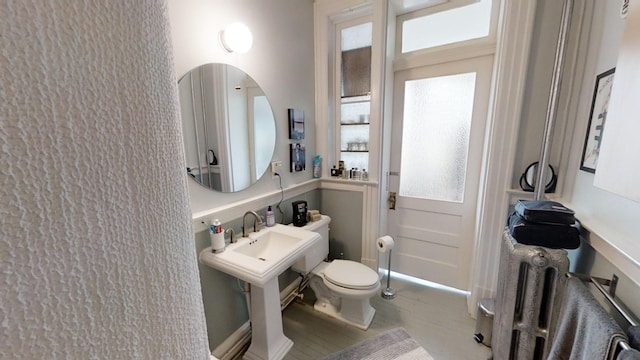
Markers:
point(531, 283)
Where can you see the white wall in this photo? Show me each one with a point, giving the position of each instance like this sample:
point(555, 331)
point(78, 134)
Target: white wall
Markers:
point(280, 61)
point(97, 255)
point(611, 219)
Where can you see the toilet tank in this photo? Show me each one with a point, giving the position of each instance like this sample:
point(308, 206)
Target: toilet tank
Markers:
point(319, 251)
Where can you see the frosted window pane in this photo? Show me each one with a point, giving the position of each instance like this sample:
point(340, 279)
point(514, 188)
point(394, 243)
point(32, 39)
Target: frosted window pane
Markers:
point(435, 137)
point(447, 27)
point(354, 113)
point(356, 37)
point(354, 137)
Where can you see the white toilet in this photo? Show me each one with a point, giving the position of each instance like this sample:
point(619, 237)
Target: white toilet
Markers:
point(342, 287)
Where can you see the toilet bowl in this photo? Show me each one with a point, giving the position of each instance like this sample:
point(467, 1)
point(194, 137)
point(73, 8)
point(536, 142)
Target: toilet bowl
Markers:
point(342, 287)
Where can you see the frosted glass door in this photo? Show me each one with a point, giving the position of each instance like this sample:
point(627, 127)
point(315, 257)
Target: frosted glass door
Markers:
point(437, 142)
point(435, 137)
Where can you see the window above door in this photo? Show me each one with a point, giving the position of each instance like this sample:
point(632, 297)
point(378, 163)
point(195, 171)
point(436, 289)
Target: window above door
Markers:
point(450, 23)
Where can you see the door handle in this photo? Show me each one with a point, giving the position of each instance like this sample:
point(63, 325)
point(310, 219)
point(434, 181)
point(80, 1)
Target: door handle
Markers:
point(392, 200)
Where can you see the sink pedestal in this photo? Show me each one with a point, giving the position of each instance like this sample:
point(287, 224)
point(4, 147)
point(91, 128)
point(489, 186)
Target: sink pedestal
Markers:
point(267, 338)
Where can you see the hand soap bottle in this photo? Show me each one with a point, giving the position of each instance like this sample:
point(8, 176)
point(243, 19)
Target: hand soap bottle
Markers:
point(271, 217)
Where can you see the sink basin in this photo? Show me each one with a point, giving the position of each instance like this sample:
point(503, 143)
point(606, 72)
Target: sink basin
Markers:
point(263, 254)
point(267, 246)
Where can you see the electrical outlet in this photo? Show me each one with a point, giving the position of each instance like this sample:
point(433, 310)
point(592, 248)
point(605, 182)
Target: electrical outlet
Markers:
point(276, 167)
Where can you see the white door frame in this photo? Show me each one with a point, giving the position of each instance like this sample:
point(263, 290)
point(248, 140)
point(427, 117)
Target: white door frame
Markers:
point(451, 270)
point(515, 29)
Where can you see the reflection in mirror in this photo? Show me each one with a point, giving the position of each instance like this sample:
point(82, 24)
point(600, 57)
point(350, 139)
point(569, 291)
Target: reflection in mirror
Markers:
point(228, 127)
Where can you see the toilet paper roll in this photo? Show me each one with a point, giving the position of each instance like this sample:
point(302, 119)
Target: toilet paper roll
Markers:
point(384, 243)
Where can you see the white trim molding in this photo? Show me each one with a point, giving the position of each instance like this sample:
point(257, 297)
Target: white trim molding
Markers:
point(515, 29)
point(237, 209)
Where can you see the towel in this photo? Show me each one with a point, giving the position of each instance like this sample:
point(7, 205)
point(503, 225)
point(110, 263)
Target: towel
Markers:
point(630, 354)
point(584, 330)
point(634, 336)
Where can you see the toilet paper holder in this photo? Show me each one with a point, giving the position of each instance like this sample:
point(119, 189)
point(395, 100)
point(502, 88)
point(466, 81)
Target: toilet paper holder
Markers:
point(386, 243)
point(388, 293)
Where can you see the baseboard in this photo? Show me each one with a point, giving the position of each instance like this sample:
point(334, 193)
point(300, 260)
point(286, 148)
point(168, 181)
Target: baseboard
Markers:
point(235, 344)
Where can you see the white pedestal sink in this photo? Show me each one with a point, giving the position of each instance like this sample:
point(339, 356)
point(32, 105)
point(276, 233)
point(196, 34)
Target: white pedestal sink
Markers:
point(258, 260)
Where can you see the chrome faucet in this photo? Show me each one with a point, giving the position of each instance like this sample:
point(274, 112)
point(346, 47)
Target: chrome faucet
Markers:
point(256, 222)
point(233, 235)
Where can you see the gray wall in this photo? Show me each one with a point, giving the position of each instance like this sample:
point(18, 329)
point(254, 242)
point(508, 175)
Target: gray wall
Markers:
point(534, 106)
point(345, 235)
point(585, 260)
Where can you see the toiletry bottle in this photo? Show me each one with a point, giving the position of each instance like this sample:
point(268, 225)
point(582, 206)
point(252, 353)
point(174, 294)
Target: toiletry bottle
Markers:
point(217, 236)
point(271, 217)
point(217, 227)
point(317, 171)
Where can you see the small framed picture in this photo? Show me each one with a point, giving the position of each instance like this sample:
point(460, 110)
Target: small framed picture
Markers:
point(597, 120)
point(296, 124)
point(297, 157)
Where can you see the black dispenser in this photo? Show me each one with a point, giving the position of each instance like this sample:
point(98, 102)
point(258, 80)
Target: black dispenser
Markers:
point(299, 213)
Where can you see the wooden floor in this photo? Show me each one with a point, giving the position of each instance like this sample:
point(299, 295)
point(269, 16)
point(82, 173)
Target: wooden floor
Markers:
point(435, 318)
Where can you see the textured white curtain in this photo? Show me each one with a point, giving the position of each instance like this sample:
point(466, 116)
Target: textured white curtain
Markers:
point(97, 256)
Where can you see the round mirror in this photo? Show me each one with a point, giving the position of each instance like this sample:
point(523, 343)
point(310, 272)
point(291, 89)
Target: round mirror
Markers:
point(228, 127)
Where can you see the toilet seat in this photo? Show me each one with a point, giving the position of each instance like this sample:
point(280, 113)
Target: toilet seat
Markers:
point(351, 275)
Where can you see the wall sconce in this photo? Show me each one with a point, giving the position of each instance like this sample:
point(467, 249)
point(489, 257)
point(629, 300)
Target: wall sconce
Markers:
point(236, 38)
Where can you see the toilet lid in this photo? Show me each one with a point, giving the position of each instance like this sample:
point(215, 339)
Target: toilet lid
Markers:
point(351, 275)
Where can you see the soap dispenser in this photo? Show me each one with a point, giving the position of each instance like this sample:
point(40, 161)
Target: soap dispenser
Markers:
point(271, 217)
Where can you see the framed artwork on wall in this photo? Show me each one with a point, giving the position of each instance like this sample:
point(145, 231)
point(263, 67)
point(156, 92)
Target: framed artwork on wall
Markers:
point(296, 124)
point(597, 119)
point(297, 157)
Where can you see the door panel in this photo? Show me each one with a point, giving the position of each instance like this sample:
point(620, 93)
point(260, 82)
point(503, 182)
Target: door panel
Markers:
point(437, 143)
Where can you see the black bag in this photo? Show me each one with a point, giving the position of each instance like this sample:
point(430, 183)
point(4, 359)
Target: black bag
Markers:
point(545, 212)
point(548, 235)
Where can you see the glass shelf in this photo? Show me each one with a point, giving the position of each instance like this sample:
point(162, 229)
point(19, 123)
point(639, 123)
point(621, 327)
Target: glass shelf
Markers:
point(355, 99)
point(354, 123)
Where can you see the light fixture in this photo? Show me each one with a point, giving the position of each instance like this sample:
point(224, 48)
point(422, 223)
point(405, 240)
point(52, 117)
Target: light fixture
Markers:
point(236, 38)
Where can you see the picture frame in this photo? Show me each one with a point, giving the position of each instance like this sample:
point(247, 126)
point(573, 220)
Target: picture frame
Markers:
point(597, 120)
point(296, 124)
point(297, 155)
